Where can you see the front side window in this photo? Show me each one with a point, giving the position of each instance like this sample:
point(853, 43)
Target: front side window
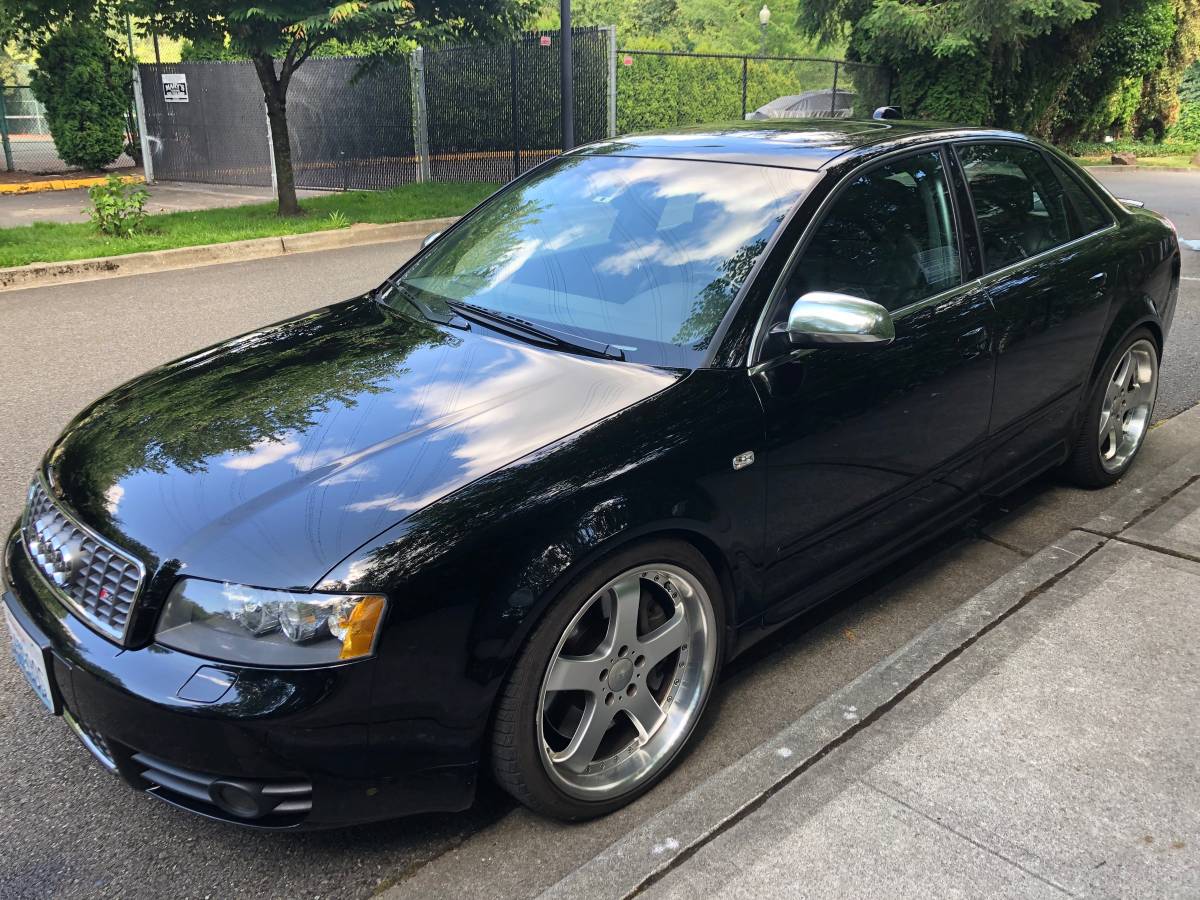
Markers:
point(645, 254)
point(1020, 204)
point(889, 237)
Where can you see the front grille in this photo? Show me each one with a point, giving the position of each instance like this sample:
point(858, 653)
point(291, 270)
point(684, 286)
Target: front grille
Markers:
point(97, 580)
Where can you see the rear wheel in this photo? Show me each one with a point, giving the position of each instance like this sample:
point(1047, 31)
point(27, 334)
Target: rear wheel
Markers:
point(611, 684)
point(1119, 411)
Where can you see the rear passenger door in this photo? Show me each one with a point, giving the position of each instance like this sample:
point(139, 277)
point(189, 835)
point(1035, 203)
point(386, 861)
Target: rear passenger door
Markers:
point(1048, 274)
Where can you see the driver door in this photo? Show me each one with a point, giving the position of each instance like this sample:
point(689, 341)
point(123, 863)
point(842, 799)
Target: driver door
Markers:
point(869, 447)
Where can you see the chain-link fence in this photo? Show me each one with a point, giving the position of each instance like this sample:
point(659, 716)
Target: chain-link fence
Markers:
point(218, 135)
point(25, 135)
point(474, 113)
point(665, 89)
point(470, 113)
point(493, 112)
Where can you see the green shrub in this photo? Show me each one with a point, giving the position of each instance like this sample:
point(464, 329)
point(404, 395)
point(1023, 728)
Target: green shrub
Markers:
point(118, 209)
point(1189, 88)
point(84, 85)
point(1140, 148)
point(1186, 129)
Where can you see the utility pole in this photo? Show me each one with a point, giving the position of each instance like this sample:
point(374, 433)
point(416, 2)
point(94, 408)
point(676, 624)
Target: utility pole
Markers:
point(568, 80)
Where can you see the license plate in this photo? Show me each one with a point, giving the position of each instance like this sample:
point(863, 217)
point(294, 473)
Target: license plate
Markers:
point(30, 659)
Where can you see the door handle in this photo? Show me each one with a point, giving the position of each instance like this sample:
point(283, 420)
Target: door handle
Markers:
point(1099, 279)
point(975, 342)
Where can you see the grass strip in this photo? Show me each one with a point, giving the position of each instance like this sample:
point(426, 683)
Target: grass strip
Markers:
point(59, 242)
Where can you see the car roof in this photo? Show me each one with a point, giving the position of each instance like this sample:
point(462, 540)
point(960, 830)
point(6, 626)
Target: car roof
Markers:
point(791, 143)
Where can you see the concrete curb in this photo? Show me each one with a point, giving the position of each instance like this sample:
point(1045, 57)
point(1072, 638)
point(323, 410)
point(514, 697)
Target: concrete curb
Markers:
point(45, 274)
point(674, 834)
point(63, 184)
point(1141, 168)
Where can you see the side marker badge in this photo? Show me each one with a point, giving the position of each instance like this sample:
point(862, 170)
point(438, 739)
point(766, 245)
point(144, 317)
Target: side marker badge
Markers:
point(743, 459)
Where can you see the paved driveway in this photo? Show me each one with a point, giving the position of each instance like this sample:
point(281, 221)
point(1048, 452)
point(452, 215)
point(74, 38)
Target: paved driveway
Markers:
point(68, 829)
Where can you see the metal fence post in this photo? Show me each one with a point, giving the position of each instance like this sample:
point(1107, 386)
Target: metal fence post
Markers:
point(833, 94)
point(139, 105)
point(515, 107)
point(612, 80)
point(8, 157)
point(566, 69)
point(420, 115)
point(744, 63)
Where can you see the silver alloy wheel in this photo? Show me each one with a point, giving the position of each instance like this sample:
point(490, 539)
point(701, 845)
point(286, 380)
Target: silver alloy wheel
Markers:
point(1127, 405)
point(627, 681)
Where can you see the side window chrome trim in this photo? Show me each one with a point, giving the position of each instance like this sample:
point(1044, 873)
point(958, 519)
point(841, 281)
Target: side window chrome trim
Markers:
point(754, 363)
point(1012, 266)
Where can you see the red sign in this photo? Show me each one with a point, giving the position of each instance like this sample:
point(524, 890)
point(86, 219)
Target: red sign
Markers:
point(544, 40)
point(627, 61)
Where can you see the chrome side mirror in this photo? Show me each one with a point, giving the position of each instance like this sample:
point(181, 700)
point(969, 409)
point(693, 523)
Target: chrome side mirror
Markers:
point(823, 319)
point(429, 239)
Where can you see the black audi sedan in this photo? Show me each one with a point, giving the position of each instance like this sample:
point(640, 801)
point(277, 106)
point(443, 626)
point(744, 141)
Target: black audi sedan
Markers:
point(509, 514)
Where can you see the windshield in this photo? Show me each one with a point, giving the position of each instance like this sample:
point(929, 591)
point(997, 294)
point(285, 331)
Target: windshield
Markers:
point(644, 254)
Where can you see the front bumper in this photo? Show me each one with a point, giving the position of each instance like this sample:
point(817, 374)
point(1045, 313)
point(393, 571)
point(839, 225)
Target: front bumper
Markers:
point(277, 748)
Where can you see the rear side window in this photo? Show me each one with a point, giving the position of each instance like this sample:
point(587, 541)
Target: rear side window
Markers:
point(889, 237)
point(1020, 204)
point(1089, 216)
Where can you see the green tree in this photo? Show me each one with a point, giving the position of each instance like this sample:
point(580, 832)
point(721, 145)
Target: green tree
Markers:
point(1057, 68)
point(280, 36)
point(1161, 89)
point(14, 65)
point(83, 81)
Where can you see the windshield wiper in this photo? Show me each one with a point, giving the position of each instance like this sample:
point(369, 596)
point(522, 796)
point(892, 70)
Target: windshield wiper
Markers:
point(455, 321)
point(522, 327)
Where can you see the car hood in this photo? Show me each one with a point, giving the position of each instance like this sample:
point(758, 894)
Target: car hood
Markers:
point(269, 458)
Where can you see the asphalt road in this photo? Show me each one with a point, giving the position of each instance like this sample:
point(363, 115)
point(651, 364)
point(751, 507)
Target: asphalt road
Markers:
point(1175, 194)
point(69, 829)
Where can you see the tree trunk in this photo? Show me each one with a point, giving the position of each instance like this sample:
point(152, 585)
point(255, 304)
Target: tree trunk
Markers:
point(275, 95)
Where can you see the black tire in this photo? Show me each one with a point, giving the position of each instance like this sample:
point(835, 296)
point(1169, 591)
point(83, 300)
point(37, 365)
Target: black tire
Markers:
point(516, 758)
point(1084, 467)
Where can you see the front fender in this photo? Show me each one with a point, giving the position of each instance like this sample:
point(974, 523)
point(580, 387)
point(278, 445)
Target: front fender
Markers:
point(469, 576)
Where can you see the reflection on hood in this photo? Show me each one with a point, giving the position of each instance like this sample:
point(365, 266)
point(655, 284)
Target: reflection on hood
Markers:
point(271, 457)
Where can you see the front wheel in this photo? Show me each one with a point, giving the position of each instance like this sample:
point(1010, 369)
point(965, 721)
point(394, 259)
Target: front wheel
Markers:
point(1119, 411)
point(611, 684)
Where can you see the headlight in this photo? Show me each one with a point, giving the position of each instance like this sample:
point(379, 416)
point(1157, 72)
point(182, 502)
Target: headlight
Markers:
point(239, 624)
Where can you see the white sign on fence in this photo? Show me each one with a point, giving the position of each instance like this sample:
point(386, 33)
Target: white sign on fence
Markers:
point(175, 88)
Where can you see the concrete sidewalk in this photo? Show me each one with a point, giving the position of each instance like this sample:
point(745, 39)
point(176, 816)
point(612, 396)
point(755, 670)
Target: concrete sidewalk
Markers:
point(1051, 751)
point(1057, 757)
point(165, 197)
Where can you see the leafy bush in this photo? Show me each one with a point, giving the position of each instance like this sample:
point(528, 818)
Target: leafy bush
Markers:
point(118, 209)
point(1189, 88)
point(84, 84)
point(1186, 129)
point(1140, 148)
